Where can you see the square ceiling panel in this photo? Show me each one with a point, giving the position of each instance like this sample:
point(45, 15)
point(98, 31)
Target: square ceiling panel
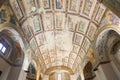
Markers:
point(86, 44)
point(60, 5)
point(76, 48)
point(91, 31)
point(48, 21)
point(71, 22)
point(59, 21)
point(82, 25)
point(40, 39)
point(78, 39)
point(73, 6)
point(37, 26)
point(33, 44)
point(88, 7)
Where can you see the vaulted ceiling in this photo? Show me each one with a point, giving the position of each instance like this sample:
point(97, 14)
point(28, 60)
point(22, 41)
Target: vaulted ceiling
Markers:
point(60, 32)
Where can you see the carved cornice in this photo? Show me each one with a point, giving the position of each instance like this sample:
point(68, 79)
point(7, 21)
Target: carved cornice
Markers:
point(49, 70)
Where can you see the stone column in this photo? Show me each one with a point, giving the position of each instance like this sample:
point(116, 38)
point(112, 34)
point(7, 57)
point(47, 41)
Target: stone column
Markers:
point(105, 71)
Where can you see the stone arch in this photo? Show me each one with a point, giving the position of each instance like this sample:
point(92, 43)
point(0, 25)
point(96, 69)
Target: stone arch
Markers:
point(107, 40)
point(16, 44)
point(101, 39)
point(14, 61)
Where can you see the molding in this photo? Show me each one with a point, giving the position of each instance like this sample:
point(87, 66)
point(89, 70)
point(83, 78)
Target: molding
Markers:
point(100, 63)
point(49, 70)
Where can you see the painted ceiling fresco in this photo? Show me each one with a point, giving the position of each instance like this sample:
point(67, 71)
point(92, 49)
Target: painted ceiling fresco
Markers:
point(59, 32)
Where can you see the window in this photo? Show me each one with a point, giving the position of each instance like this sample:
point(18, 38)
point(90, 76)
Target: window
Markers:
point(59, 77)
point(4, 47)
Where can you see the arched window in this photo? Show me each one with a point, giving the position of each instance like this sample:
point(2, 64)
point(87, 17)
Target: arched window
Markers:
point(4, 47)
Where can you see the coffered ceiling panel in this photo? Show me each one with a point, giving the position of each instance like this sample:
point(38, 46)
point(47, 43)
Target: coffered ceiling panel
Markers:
point(59, 32)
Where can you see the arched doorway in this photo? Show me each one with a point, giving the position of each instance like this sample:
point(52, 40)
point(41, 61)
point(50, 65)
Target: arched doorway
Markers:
point(107, 49)
point(31, 73)
point(11, 54)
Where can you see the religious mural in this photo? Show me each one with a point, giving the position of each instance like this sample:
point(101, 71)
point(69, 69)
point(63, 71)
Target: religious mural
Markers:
point(91, 56)
point(72, 22)
point(74, 5)
point(29, 5)
point(66, 27)
point(37, 26)
point(86, 44)
point(59, 21)
point(17, 10)
point(88, 7)
point(91, 31)
point(27, 30)
point(40, 39)
point(82, 25)
point(78, 39)
point(101, 41)
point(6, 16)
point(47, 4)
point(110, 18)
point(60, 4)
point(100, 13)
point(33, 44)
point(48, 21)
